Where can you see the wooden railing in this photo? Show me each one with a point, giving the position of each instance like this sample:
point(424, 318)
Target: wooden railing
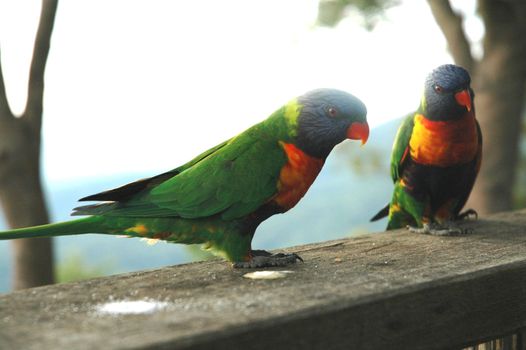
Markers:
point(395, 290)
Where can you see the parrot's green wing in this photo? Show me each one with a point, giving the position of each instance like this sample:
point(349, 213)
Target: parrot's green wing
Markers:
point(127, 191)
point(400, 151)
point(399, 156)
point(232, 179)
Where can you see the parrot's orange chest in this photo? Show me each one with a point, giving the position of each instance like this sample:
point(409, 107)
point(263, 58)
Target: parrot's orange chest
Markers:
point(296, 176)
point(444, 143)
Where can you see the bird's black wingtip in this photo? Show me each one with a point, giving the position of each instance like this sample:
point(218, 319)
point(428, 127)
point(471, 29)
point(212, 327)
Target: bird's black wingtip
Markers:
point(381, 214)
point(88, 198)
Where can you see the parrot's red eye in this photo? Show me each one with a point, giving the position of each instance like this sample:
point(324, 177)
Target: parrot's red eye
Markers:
point(438, 89)
point(332, 111)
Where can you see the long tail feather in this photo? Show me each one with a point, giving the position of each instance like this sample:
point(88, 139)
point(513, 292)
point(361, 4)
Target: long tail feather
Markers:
point(85, 225)
point(381, 214)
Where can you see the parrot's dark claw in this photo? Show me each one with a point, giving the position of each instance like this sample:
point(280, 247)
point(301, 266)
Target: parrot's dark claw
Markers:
point(468, 215)
point(262, 258)
point(440, 230)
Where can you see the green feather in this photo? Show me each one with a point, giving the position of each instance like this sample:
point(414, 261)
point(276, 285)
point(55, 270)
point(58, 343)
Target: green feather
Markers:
point(85, 225)
point(400, 145)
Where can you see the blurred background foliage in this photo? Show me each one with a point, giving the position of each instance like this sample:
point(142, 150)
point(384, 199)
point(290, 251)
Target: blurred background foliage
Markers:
point(367, 12)
point(75, 267)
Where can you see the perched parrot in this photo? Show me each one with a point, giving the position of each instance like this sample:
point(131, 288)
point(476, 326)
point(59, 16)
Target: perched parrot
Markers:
point(436, 157)
point(219, 198)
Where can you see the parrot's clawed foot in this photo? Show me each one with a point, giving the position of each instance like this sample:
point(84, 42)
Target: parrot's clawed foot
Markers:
point(440, 230)
point(468, 215)
point(262, 258)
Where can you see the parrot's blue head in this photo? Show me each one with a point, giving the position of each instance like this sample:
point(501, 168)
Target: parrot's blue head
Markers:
point(447, 94)
point(327, 117)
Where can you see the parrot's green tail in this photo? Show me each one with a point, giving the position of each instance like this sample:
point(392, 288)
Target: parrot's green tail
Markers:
point(91, 224)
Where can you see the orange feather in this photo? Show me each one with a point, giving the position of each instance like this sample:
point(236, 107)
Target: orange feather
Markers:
point(444, 143)
point(296, 176)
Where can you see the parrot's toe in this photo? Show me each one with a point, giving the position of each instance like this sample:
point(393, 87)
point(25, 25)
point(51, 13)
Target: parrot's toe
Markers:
point(440, 230)
point(262, 258)
point(468, 215)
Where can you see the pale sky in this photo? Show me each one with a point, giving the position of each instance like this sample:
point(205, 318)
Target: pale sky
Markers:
point(138, 86)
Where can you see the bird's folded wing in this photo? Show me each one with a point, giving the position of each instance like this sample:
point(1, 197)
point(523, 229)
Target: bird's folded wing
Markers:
point(400, 152)
point(232, 181)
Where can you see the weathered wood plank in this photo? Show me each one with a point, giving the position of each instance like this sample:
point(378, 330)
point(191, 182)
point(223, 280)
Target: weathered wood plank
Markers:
point(394, 290)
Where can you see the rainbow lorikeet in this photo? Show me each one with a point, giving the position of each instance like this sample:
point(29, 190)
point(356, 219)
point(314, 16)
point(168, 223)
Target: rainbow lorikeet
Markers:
point(219, 198)
point(436, 157)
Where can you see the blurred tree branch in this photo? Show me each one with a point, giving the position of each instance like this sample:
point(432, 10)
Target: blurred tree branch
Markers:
point(451, 25)
point(35, 93)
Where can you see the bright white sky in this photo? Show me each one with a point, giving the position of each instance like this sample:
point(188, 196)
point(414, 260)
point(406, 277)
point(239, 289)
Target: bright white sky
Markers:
point(139, 86)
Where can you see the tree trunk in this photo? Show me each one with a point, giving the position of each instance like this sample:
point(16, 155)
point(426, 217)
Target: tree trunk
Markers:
point(21, 194)
point(500, 84)
point(499, 102)
point(23, 203)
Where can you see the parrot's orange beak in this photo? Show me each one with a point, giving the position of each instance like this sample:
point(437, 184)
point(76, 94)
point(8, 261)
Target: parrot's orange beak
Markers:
point(358, 131)
point(464, 99)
